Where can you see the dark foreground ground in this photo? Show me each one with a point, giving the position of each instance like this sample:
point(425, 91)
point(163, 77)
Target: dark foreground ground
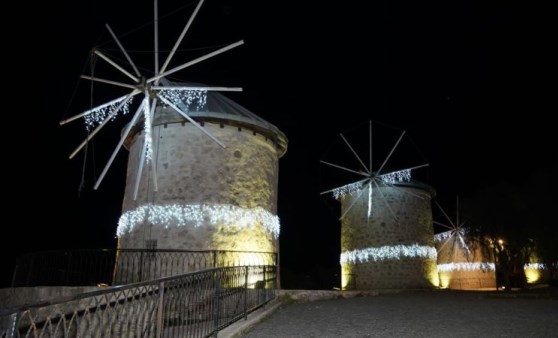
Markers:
point(416, 314)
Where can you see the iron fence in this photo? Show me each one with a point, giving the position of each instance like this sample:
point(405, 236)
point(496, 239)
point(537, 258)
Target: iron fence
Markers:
point(123, 266)
point(197, 304)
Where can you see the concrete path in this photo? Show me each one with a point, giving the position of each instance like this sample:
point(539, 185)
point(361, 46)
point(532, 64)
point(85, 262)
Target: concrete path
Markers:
point(415, 314)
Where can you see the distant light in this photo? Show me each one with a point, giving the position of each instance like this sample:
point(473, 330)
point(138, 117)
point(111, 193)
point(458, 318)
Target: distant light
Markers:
point(500, 241)
point(388, 252)
point(197, 215)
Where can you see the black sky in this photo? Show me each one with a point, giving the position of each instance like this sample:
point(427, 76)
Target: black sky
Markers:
point(469, 81)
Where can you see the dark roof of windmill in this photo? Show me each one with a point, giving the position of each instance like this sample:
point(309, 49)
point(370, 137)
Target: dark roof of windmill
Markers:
point(219, 108)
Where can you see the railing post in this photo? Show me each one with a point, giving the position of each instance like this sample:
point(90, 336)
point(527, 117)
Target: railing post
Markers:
point(264, 291)
point(217, 301)
point(140, 267)
point(214, 258)
point(246, 293)
point(12, 325)
point(160, 317)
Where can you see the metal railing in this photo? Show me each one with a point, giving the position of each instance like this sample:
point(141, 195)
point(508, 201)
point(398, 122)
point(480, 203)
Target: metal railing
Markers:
point(123, 266)
point(197, 304)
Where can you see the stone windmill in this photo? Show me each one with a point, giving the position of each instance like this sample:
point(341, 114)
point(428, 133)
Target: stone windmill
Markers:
point(386, 221)
point(202, 170)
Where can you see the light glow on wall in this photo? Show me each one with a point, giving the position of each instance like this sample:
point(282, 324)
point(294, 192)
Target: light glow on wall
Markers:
point(388, 252)
point(197, 215)
point(476, 266)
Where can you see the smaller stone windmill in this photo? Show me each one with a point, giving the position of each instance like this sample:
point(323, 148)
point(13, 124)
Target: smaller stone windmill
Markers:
point(461, 262)
point(386, 222)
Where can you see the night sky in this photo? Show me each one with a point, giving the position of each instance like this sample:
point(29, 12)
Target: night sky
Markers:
point(469, 82)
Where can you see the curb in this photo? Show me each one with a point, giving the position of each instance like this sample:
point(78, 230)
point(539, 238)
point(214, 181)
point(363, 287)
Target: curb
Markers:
point(237, 328)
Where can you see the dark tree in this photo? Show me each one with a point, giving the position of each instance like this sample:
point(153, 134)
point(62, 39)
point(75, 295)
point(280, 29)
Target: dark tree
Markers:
point(500, 223)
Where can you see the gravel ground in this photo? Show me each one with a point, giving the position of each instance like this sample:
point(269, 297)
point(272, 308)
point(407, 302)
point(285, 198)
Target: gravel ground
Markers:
point(417, 314)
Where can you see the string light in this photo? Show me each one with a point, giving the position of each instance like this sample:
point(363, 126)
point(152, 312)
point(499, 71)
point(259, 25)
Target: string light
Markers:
point(391, 178)
point(388, 252)
point(185, 97)
point(346, 189)
point(97, 115)
point(397, 176)
point(197, 215)
point(147, 129)
point(477, 266)
point(442, 236)
point(535, 266)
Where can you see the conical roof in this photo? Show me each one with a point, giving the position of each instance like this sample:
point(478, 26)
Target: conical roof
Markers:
point(216, 107)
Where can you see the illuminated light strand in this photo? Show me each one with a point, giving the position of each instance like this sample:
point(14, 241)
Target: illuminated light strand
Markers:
point(186, 97)
point(147, 129)
point(534, 266)
point(388, 252)
point(197, 215)
point(397, 176)
point(442, 236)
point(369, 198)
point(99, 114)
point(477, 266)
point(346, 189)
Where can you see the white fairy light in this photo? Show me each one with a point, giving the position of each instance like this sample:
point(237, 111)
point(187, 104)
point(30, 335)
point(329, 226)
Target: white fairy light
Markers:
point(186, 97)
point(535, 266)
point(463, 244)
point(346, 189)
point(100, 113)
point(388, 252)
point(147, 130)
point(369, 198)
point(476, 266)
point(442, 236)
point(197, 215)
point(397, 176)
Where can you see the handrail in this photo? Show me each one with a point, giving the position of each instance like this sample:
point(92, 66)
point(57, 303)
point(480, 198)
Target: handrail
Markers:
point(192, 304)
point(123, 266)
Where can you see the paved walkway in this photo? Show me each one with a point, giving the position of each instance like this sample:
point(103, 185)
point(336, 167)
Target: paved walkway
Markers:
point(415, 314)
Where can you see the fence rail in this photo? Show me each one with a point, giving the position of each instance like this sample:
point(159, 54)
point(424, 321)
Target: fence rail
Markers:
point(197, 304)
point(124, 266)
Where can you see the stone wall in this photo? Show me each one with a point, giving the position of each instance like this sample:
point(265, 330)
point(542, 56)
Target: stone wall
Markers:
point(393, 247)
point(462, 264)
point(194, 170)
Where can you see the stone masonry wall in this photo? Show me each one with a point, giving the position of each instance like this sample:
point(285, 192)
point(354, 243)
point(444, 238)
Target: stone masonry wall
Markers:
point(412, 225)
point(193, 169)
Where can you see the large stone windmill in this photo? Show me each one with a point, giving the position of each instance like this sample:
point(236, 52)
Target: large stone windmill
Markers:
point(202, 170)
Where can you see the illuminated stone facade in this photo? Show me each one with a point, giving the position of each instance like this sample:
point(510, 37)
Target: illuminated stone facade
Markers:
point(387, 252)
point(208, 197)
